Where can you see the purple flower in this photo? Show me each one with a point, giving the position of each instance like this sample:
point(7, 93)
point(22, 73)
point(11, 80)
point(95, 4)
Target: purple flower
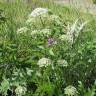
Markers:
point(51, 41)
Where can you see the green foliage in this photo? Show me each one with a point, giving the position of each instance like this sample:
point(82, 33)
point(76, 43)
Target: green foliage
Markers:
point(94, 1)
point(84, 92)
point(47, 54)
point(4, 86)
point(2, 18)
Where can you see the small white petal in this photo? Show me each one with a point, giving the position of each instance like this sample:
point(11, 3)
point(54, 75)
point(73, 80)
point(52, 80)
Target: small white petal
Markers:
point(44, 62)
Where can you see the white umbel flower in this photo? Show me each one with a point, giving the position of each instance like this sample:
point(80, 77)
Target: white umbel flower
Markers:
point(22, 30)
point(44, 62)
point(20, 91)
point(71, 91)
point(62, 63)
point(45, 32)
point(35, 32)
point(38, 12)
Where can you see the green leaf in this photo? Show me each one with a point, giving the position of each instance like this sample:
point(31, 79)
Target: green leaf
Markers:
point(4, 86)
point(51, 52)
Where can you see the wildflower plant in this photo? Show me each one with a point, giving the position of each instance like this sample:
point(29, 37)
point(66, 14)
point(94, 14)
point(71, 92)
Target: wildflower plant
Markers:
point(44, 55)
point(71, 91)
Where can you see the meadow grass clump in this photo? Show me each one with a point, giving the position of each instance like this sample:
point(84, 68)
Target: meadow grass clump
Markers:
point(46, 50)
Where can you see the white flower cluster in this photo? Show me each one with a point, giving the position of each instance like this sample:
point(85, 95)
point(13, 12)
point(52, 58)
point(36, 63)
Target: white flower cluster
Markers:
point(20, 91)
point(71, 91)
point(38, 12)
point(22, 30)
point(44, 32)
point(44, 62)
point(35, 32)
point(62, 63)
